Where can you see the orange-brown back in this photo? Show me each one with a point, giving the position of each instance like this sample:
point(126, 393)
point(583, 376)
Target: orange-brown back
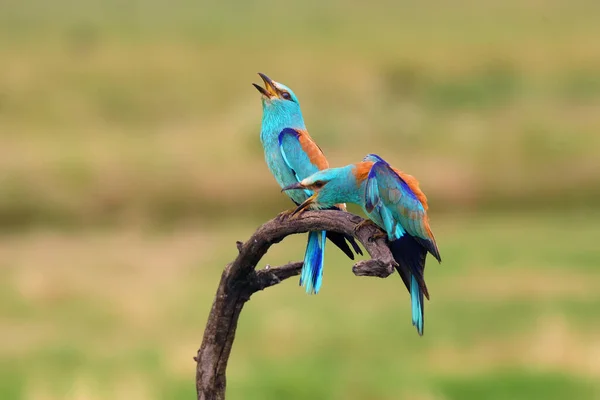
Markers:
point(312, 150)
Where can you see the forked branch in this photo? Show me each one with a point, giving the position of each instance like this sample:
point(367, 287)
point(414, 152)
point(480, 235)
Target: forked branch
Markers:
point(240, 280)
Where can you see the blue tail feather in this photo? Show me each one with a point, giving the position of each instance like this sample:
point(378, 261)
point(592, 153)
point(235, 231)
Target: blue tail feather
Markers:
point(312, 270)
point(416, 299)
point(410, 256)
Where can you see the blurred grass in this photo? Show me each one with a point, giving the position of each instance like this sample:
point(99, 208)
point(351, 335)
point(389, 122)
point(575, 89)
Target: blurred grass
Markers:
point(120, 111)
point(111, 316)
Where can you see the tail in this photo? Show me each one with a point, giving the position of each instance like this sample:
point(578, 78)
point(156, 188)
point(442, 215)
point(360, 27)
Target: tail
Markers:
point(339, 239)
point(416, 299)
point(410, 256)
point(312, 270)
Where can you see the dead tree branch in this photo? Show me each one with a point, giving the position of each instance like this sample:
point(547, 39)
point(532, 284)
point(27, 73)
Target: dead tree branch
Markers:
point(240, 280)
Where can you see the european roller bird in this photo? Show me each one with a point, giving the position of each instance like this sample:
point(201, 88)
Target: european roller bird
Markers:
point(394, 202)
point(292, 155)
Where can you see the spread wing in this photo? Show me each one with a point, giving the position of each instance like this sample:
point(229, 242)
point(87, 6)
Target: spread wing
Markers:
point(399, 205)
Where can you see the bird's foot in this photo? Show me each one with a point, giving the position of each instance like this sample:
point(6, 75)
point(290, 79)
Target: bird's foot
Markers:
point(363, 223)
point(378, 235)
point(298, 213)
point(285, 215)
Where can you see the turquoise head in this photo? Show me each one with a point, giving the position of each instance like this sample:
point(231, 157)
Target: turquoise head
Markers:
point(281, 108)
point(330, 187)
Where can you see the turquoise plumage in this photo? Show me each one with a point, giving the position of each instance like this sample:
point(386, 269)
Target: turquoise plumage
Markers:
point(292, 155)
point(393, 201)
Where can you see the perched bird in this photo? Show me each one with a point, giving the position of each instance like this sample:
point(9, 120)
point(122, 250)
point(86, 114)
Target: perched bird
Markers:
point(394, 202)
point(292, 155)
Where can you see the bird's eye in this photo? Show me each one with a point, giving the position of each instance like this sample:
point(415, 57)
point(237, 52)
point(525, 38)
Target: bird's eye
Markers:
point(286, 95)
point(318, 184)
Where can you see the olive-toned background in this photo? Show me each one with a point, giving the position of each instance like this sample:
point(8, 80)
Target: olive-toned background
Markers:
point(130, 163)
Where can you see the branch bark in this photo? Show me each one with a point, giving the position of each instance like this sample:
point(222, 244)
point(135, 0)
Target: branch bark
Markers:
point(240, 280)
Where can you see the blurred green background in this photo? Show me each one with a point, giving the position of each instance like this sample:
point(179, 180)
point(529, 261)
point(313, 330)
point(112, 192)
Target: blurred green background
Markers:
point(130, 164)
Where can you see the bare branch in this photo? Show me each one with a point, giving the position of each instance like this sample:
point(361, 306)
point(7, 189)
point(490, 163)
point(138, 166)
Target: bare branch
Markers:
point(240, 280)
point(270, 276)
point(373, 268)
point(239, 245)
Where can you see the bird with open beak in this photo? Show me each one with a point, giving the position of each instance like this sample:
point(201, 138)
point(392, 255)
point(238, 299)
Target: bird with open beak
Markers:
point(292, 155)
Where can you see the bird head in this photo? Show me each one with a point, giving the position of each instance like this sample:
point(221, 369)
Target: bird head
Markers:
point(328, 187)
point(280, 102)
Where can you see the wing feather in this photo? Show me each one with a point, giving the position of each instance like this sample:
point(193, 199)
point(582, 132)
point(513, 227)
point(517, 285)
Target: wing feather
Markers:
point(303, 157)
point(301, 153)
point(401, 202)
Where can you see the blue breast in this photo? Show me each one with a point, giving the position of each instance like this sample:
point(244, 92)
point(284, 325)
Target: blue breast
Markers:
point(283, 175)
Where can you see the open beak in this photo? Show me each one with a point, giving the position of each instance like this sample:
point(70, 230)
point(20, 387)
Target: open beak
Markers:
point(306, 204)
point(293, 186)
point(269, 90)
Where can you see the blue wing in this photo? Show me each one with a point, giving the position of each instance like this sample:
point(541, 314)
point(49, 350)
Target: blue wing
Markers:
point(301, 153)
point(400, 209)
point(374, 157)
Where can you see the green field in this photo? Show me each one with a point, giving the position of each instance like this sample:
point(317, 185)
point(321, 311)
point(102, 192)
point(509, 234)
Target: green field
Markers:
point(130, 164)
point(101, 315)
